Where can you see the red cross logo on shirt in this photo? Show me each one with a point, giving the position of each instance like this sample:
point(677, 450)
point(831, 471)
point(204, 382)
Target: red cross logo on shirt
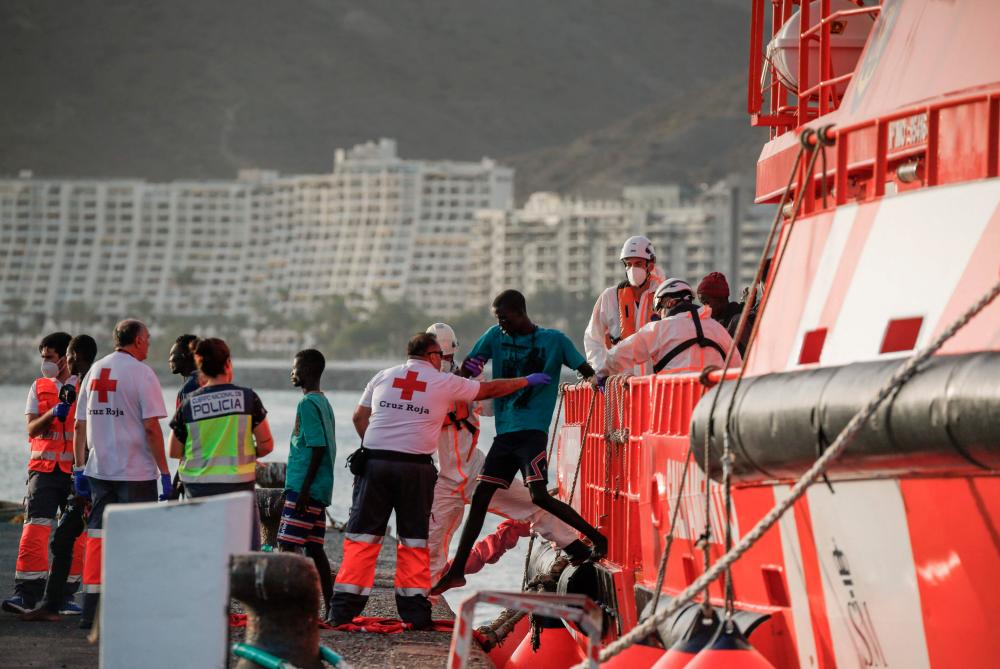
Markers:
point(409, 385)
point(103, 384)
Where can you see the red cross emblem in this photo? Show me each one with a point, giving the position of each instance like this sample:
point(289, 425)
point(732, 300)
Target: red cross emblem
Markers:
point(103, 384)
point(409, 385)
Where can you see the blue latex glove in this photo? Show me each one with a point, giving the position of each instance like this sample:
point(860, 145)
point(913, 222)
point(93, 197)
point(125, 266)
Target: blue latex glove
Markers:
point(474, 366)
point(167, 488)
point(61, 410)
point(81, 484)
point(601, 381)
point(539, 379)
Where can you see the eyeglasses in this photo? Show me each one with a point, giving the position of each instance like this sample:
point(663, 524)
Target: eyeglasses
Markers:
point(437, 352)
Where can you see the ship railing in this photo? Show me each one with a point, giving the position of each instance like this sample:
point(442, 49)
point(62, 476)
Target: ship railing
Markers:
point(618, 479)
point(947, 141)
point(788, 108)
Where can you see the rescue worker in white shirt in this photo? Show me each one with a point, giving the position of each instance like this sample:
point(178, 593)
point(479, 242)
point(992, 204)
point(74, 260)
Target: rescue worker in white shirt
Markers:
point(460, 462)
point(49, 414)
point(685, 337)
point(622, 310)
point(399, 419)
point(118, 436)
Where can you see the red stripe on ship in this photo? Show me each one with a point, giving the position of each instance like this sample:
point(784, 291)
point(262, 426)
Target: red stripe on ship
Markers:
point(956, 566)
point(864, 220)
point(814, 586)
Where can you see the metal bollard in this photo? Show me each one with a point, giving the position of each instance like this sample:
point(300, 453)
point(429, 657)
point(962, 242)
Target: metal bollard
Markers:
point(281, 595)
point(269, 504)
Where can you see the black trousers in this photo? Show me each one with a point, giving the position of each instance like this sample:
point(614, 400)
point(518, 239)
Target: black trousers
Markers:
point(387, 485)
point(71, 525)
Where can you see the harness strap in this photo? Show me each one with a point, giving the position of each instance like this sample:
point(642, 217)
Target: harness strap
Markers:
point(459, 423)
point(698, 340)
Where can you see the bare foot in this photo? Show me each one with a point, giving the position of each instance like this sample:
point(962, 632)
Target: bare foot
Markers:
point(447, 582)
point(41, 615)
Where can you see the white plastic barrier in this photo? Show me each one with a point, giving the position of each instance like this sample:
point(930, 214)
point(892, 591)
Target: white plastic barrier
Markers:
point(165, 594)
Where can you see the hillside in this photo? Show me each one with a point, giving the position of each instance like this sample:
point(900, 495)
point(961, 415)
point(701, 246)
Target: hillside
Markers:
point(574, 93)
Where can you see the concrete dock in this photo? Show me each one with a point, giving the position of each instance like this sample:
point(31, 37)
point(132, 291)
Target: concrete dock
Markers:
point(65, 646)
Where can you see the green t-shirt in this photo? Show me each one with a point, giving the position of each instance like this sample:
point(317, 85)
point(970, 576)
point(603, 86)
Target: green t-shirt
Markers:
point(543, 350)
point(313, 429)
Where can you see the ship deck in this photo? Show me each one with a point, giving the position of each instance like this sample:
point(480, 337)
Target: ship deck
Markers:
point(64, 645)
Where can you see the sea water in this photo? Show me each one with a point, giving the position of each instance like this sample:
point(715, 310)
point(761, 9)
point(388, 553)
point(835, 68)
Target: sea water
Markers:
point(280, 404)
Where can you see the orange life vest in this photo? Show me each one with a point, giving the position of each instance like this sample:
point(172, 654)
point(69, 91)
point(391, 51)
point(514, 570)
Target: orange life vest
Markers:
point(56, 445)
point(628, 305)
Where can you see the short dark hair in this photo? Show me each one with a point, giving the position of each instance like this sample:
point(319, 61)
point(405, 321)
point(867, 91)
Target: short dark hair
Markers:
point(312, 363)
point(127, 331)
point(420, 342)
point(211, 355)
point(84, 347)
point(57, 341)
point(511, 299)
point(186, 341)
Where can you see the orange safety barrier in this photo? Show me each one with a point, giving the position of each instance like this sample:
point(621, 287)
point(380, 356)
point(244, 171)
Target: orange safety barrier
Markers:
point(625, 487)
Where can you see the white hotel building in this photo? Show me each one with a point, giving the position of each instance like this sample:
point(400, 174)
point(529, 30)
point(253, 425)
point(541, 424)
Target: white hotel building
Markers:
point(444, 235)
point(574, 244)
point(376, 225)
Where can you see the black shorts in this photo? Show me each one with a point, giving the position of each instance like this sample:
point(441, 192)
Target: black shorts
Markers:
point(513, 451)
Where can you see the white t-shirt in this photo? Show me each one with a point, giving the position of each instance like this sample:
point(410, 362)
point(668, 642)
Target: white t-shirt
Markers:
point(116, 396)
point(409, 403)
point(31, 407)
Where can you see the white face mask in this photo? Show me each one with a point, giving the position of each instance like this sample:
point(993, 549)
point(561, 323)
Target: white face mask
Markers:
point(447, 366)
point(636, 275)
point(50, 370)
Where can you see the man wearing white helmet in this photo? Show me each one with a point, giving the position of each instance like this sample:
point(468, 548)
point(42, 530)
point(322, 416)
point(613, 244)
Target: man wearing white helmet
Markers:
point(685, 337)
point(459, 463)
point(623, 309)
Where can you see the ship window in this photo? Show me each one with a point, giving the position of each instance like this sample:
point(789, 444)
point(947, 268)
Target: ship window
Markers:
point(901, 334)
point(812, 346)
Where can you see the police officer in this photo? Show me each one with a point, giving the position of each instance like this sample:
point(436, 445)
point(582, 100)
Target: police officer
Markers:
point(219, 431)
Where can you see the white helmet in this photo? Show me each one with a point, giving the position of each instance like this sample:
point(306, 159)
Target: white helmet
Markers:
point(445, 336)
point(638, 247)
point(672, 288)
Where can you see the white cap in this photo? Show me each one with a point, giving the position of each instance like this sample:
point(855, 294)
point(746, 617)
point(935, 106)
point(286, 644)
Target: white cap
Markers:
point(445, 336)
point(638, 247)
point(672, 288)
